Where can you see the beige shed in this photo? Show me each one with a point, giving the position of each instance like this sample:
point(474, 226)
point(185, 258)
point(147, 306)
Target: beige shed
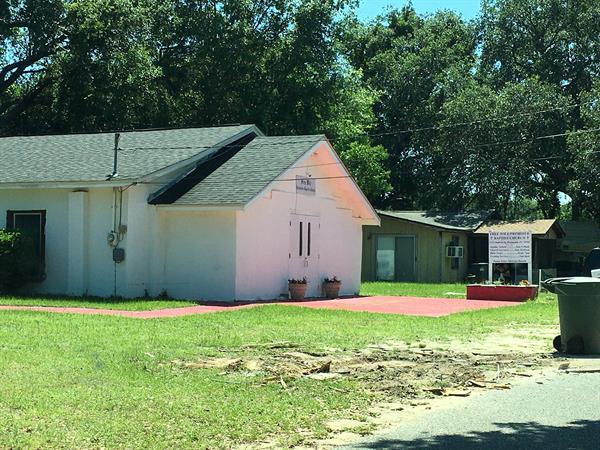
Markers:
point(419, 246)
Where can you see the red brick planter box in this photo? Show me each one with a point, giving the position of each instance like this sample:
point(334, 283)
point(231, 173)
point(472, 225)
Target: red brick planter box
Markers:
point(500, 292)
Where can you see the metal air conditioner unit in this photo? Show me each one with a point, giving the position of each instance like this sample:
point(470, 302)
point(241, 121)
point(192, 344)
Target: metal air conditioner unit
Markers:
point(454, 251)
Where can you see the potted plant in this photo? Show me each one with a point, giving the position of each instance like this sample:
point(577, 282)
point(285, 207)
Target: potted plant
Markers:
point(332, 286)
point(297, 288)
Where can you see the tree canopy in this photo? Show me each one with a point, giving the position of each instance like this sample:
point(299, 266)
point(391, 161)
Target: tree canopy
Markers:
point(426, 111)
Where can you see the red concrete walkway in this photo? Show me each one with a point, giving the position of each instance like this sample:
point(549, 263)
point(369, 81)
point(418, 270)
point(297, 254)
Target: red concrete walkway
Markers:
point(413, 306)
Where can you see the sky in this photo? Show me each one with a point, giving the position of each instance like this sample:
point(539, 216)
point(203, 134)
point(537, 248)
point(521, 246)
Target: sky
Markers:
point(368, 9)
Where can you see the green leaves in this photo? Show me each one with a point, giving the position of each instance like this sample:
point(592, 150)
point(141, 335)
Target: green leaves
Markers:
point(366, 164)
point(17, 260)
point(489, 144)
point(585, 148)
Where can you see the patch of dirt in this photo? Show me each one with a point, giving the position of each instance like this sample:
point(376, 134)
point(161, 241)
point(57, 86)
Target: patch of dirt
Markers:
point(401, 375)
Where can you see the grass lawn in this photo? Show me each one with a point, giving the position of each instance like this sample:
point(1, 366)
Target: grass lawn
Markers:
point(97, 381)
point(137, 304)
point(414, 289)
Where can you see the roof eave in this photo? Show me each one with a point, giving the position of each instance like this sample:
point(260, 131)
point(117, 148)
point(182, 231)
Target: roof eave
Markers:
point(69, 184)
point(206, 207)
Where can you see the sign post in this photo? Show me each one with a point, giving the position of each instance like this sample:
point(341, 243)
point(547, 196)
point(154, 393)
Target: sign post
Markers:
point(510, 247)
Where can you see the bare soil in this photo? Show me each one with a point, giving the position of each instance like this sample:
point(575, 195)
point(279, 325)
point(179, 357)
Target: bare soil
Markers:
point(399, 375)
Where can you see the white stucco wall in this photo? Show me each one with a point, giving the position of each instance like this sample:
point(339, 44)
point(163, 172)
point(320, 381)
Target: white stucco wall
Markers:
point(187, 254)
point(263, 235)
point(198, 255)
point(100, 266)
point(55, 202)
point(78, 266)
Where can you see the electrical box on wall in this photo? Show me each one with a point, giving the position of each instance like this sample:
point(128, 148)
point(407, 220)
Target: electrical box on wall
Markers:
point(118, 255)
point(112, 238)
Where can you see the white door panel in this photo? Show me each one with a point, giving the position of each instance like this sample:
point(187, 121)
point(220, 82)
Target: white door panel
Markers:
point(304, 251)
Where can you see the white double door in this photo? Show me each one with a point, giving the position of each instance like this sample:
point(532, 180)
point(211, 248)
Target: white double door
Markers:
point(304, 251)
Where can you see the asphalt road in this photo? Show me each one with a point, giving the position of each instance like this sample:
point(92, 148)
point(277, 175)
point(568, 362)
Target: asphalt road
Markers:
point(562, 413)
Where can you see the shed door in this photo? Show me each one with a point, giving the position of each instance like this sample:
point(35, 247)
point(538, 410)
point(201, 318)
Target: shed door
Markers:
point(405, 258)
point(396, 258)
point(304, 251)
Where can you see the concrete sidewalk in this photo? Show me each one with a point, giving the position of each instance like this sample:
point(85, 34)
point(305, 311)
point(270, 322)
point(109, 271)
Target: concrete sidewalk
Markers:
point(429, 307)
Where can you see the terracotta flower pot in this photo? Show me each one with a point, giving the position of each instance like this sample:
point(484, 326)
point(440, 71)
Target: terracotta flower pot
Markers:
point(332, 288)
point(297, 290)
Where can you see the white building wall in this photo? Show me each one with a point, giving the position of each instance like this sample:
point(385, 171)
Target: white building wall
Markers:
point(102, 271)
point(198, 254)
point(341, 248)
point(139, 241)
point(77, 275)
point(263, 247)
point(55, 202)
point(78, 258)
point(185, 254)
point(263, 236)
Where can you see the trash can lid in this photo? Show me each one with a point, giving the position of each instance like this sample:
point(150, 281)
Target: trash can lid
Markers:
point(573, 286)
point(574, 280)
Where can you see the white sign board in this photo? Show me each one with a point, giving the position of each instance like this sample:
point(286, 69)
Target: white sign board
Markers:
point(306, 185)
point(512, 247)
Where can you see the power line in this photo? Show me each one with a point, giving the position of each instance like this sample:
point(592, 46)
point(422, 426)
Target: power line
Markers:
point(253, 180)
point(489, 144)
point(473, 122)
point(437, 170)
point(518, 142)
point(442, 169)
point(537, 138)
point(388, 133)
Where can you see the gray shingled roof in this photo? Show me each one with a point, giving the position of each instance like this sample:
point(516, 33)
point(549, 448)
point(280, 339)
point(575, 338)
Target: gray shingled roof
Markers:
point(89, 157)
point(447, 220)
point(251, 170)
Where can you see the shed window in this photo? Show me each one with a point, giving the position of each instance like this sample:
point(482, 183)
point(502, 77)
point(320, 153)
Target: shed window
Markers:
point(31, 224)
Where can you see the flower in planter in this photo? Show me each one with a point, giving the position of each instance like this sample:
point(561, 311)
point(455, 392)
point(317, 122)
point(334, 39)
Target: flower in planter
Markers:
point(298, 281)
point(331, 287)
point(297, 288)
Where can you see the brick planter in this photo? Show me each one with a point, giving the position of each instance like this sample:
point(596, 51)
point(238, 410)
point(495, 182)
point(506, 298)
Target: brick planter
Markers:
point(501, 292)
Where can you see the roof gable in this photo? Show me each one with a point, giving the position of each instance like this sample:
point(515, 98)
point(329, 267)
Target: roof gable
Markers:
point(239, 175)
point(244, 174)
point(536, 227)
point(90, 157)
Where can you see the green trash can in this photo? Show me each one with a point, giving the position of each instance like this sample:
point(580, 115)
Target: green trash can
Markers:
point(579, 312)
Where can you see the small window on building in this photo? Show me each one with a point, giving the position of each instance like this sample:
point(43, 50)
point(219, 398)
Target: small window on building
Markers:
point(300, 243)
point(31, 224)
point(308, 241)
